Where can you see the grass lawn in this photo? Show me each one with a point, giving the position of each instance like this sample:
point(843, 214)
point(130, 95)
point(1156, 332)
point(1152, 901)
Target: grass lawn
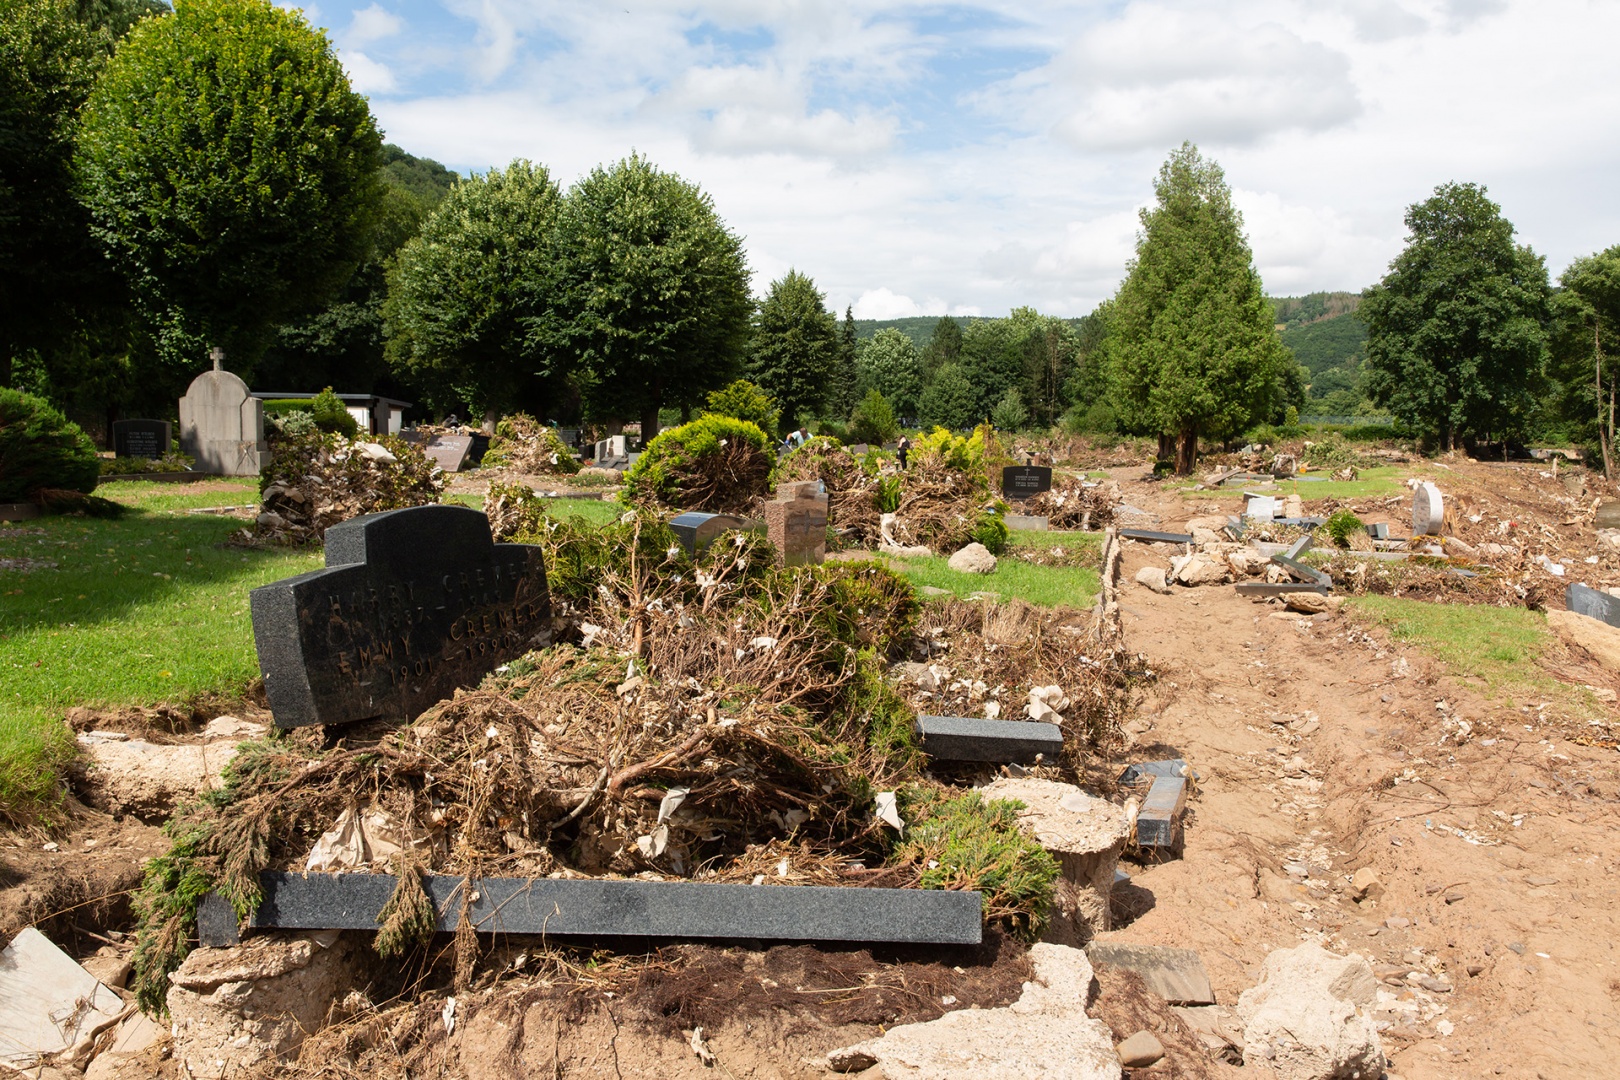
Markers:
point(136, 611)
point(1501, 648)
point(1377, 482)
point(1047, 586)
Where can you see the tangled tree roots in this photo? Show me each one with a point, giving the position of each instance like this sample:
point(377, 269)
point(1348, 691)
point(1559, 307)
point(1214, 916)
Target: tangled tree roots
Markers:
point(318, 479)
point(1077, 504)
point(525, 445)
point(715, 463)
point(852, 493)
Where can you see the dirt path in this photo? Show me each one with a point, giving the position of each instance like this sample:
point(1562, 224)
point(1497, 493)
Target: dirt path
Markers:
point(1323, 748)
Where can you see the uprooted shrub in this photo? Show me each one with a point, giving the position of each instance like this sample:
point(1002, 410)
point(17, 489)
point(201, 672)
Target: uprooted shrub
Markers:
point(523, 443)
point(1073, 503)
point(41, 450)
point(852, 490)
point(316, 479)
point(716, 463)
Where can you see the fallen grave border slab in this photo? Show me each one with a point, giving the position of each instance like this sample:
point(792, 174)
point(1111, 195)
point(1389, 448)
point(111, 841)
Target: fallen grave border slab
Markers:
point(966, 738)
point(1156, 537)
point(1585, 600)
point(614, 908)
point(1281, 588)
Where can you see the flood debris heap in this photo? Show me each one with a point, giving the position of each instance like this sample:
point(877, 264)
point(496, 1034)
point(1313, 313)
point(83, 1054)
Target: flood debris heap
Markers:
point(580, 733)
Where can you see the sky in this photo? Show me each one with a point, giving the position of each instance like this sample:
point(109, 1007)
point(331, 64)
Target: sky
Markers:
point(922, 159)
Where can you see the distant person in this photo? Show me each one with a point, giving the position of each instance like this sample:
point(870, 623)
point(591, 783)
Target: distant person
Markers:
point(903, 450)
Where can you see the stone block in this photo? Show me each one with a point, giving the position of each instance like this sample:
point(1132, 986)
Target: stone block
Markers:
point(141, 438)
point(696, 530)
point(620, 908)
point(1177, 975)
point(796, 522)
point(965, 738)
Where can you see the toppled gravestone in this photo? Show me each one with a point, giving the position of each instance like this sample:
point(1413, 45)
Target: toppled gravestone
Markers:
point(1045, 1033)
point(412, 605)
point(1308, 1017)
point(234, 1008)
point(1085, 835)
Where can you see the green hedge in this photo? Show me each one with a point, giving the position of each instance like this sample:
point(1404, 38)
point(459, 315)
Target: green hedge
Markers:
point(41, 449)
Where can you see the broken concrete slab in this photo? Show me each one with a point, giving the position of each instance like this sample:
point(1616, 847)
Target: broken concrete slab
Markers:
point(133, 776)
point(50, 1007)
point(964, 738)
point(615, 908)
point(1308, 1017)
point(1045, 1033)
point(1281, 588)
point(1308, 574)
point(1218, 1027)
point(1158, 823)
point(134, 1036)
point(1177, 975)
point(1086, 835)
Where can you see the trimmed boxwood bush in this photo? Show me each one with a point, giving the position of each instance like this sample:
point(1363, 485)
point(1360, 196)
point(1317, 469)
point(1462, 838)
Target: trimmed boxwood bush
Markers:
point(40, 449)
point(716, 463)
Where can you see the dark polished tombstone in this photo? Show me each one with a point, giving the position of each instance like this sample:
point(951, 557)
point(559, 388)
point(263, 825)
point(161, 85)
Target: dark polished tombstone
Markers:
point(449, 452)
point(1585, 600)
point(1025, 481)
point(697, 530)
point(141, 438)
point(412, 604)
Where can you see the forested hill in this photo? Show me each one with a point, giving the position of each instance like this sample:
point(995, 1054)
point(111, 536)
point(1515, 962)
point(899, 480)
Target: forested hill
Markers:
point(919, 328)
point(1330, 341)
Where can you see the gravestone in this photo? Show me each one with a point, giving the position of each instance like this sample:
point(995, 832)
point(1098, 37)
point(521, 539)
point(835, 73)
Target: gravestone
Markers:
point(141, 438)
point(1428, 510)
point(796, 522)
point(569, 437)
point(1025, 481)
point(412, 604)
point(967, 738)
point(613, 452)
point(1584, 600)
point(860, 449)
point(449, 452)
point(696, 530)
point(222, 426)
point(1608, 515)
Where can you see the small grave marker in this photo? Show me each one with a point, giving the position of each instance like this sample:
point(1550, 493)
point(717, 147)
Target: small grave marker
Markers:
point(966, 738)
point(1584, 600)
point(696, 530)
point(449, 452)
point(412, 604)
point(796, 522)
point(141, 438)
point(1025, 481)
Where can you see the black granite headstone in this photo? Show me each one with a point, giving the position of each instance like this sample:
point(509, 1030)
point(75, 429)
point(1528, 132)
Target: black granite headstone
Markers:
point(413, 604)
point(141, 438)
point(1025, 481)
point(1584, 600)
point(966, 738)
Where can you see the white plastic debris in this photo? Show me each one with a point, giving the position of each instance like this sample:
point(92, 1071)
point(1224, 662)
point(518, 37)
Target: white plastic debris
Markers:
point(700, 1047)
point(448, 1015)
point(671, 802)
point(888, 811)
point(356, 841)
point(1046, 703)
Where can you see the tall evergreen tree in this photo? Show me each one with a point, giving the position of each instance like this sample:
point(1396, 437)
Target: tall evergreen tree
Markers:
point(1586, 349)
point(795, 350)
point(846, 385)
point(1457, 330)
point(1192, 347)
point(949, 401)
point(944, 347)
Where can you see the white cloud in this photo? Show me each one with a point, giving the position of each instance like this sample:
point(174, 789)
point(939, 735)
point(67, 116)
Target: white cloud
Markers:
point(366, 75)
point(745, 110)
point(371, 24)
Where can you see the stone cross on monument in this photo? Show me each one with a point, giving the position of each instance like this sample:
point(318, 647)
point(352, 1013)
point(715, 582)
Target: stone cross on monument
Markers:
point(217, 355)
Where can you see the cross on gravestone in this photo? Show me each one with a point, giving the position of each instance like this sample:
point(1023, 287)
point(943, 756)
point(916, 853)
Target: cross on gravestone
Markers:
point(796, 522)
point(412, 604)
point(140, 438)
point(1025, 481)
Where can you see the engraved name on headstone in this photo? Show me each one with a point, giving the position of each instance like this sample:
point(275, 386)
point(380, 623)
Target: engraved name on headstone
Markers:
point(449, 452)
point(141, 438)
point(1025, 481)
point(412, 604)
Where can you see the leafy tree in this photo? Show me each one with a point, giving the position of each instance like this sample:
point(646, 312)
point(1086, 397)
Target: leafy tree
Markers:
point(1456, 331)
point(944, 347)
point(795, 348)
point(655, 300)
point(872, 421)
point(1047, 348)
point(424, 179)
point(992, 361)
point(950, 400)
point(472, 294)
point(230, 170)
point(847, 380)
point(742, 400)
point(1009, 413)
point(1192, 346)
point(1585, 339)
point(888, 363)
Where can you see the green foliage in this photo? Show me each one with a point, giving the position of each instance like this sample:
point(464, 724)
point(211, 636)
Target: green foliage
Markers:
point(656, 300)
point(944, 347)
point(1335, 342)
point(1341, 524)
point(872, 421)
point(844, 392)
point(35, 753)
point(742, 400)
point(424, 179)
point(715, 463)
point(872, 607)
point(1009, 414)
point(41, 449)
point(581, 554)
point(888, 363)
point(962, 842)
point(891, 725)
point(1192, 348)
point(407, 920)
point(889, 489)
point(331, 415)
point(1332, 451)
point(230, 169)
point(522, 442)
point(795, 355)
point(991, 531)
point(964, 453)
point(1456, 339)
point(470, 299)
point(1317, 307)
point(950, 400)
point(1586, 326)
point(173, 461)
point(1098, 418)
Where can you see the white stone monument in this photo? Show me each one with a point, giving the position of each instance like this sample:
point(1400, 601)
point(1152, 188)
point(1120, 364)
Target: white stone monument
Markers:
point(221, 425)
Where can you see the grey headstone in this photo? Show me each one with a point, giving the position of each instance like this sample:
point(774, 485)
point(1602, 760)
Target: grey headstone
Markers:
point(1025, 481)
point(1583, 600)
point(413, 604)
point(1281, 588)
point(449, 452)
point(1153, 537)
point(222, 426)
point(141, 438)
point(629, 908)
point(965, 738)
point(696, 530)
point(860, 449)
point(1177, 975)
point(1378, 530)
point(1158, 822)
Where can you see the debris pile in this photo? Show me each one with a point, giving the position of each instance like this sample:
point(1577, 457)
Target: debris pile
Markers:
point(852, 492)
point(527, 446)
point(1074, 503)
point(317, 479)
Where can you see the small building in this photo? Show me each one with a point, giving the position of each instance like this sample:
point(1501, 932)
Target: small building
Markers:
point(375, 414)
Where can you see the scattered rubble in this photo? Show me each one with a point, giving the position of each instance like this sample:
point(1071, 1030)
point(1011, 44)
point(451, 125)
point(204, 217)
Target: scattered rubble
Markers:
point(1309, 1016)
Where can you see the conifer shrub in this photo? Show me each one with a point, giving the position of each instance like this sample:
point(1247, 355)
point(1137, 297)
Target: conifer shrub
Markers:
point(41, 450)
point(716, 463)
